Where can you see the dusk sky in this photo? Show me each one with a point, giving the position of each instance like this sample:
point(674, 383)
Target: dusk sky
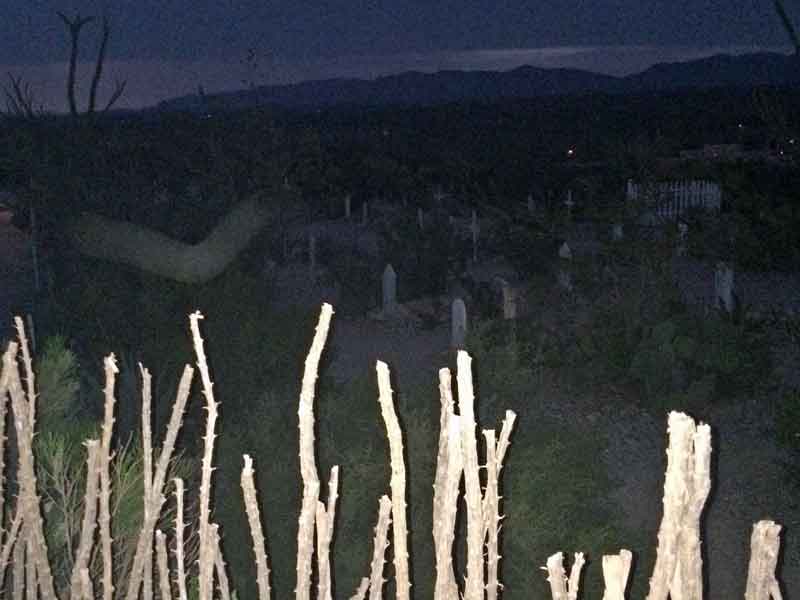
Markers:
point(165, 48)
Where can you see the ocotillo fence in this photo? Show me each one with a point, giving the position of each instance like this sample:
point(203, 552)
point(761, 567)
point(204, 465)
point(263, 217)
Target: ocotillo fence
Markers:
point(677, 571)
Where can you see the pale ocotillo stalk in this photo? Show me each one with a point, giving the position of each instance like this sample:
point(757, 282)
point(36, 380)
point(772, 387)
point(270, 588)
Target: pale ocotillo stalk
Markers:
point(308, 466)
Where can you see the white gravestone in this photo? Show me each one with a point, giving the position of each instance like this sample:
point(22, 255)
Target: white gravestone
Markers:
point(458, 324)
point(509, 299)
point(389, 290)
point(723, 286)
point(569, 203)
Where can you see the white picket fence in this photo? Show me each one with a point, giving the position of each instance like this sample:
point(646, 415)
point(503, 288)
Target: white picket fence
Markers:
point(673, 198)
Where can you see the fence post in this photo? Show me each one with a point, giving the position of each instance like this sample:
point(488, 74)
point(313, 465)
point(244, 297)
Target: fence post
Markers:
point(765, 547)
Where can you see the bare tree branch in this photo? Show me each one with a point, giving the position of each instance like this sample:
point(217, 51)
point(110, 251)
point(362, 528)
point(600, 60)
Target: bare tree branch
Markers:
point(74, 27)
point(119, 88)
point(98, 67)
point(20, 99)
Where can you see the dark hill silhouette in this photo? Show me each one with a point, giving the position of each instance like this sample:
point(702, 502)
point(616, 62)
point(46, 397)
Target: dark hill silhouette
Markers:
point(415, 88)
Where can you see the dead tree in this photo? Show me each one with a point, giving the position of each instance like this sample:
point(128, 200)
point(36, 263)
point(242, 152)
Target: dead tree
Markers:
point(20, 99)
point(74, 26)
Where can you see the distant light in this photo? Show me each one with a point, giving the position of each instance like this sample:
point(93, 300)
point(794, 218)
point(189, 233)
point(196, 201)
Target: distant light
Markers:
point(571, 152)
point(741, 126)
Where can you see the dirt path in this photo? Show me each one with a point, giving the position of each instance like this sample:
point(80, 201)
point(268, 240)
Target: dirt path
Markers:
point(414, 355)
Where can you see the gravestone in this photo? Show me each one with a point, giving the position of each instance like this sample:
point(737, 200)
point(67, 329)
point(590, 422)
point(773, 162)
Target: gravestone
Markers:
point(347, 201)
point(531, 203)
point(616, 232)
point(420, 218)
point(569, 203)
point(509, 299)
point(458, 324)
point(389, 290)
point(723, 286)
point(364, 213)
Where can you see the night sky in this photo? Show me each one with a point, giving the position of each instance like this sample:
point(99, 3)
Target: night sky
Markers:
point(166, 48)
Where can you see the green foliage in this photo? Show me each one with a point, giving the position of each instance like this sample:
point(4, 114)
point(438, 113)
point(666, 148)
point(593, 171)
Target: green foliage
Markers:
point(61, 468)
point(761, 229)
point(687, 361)
point(509, 358)
point(58, 380)
point(551, 490)
point(634, 329)
point(106, 308)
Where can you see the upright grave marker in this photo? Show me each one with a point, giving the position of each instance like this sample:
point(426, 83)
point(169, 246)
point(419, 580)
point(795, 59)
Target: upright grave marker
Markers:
point(723, 286)
point(389, 290)
point(565, 267)
point(458, 324)
point(509, 301)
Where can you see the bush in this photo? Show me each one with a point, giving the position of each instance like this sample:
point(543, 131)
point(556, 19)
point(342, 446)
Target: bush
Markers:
point(61, 468)
point(688, 361)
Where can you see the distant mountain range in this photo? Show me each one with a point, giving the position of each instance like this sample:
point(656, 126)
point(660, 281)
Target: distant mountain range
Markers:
point(415, 88)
